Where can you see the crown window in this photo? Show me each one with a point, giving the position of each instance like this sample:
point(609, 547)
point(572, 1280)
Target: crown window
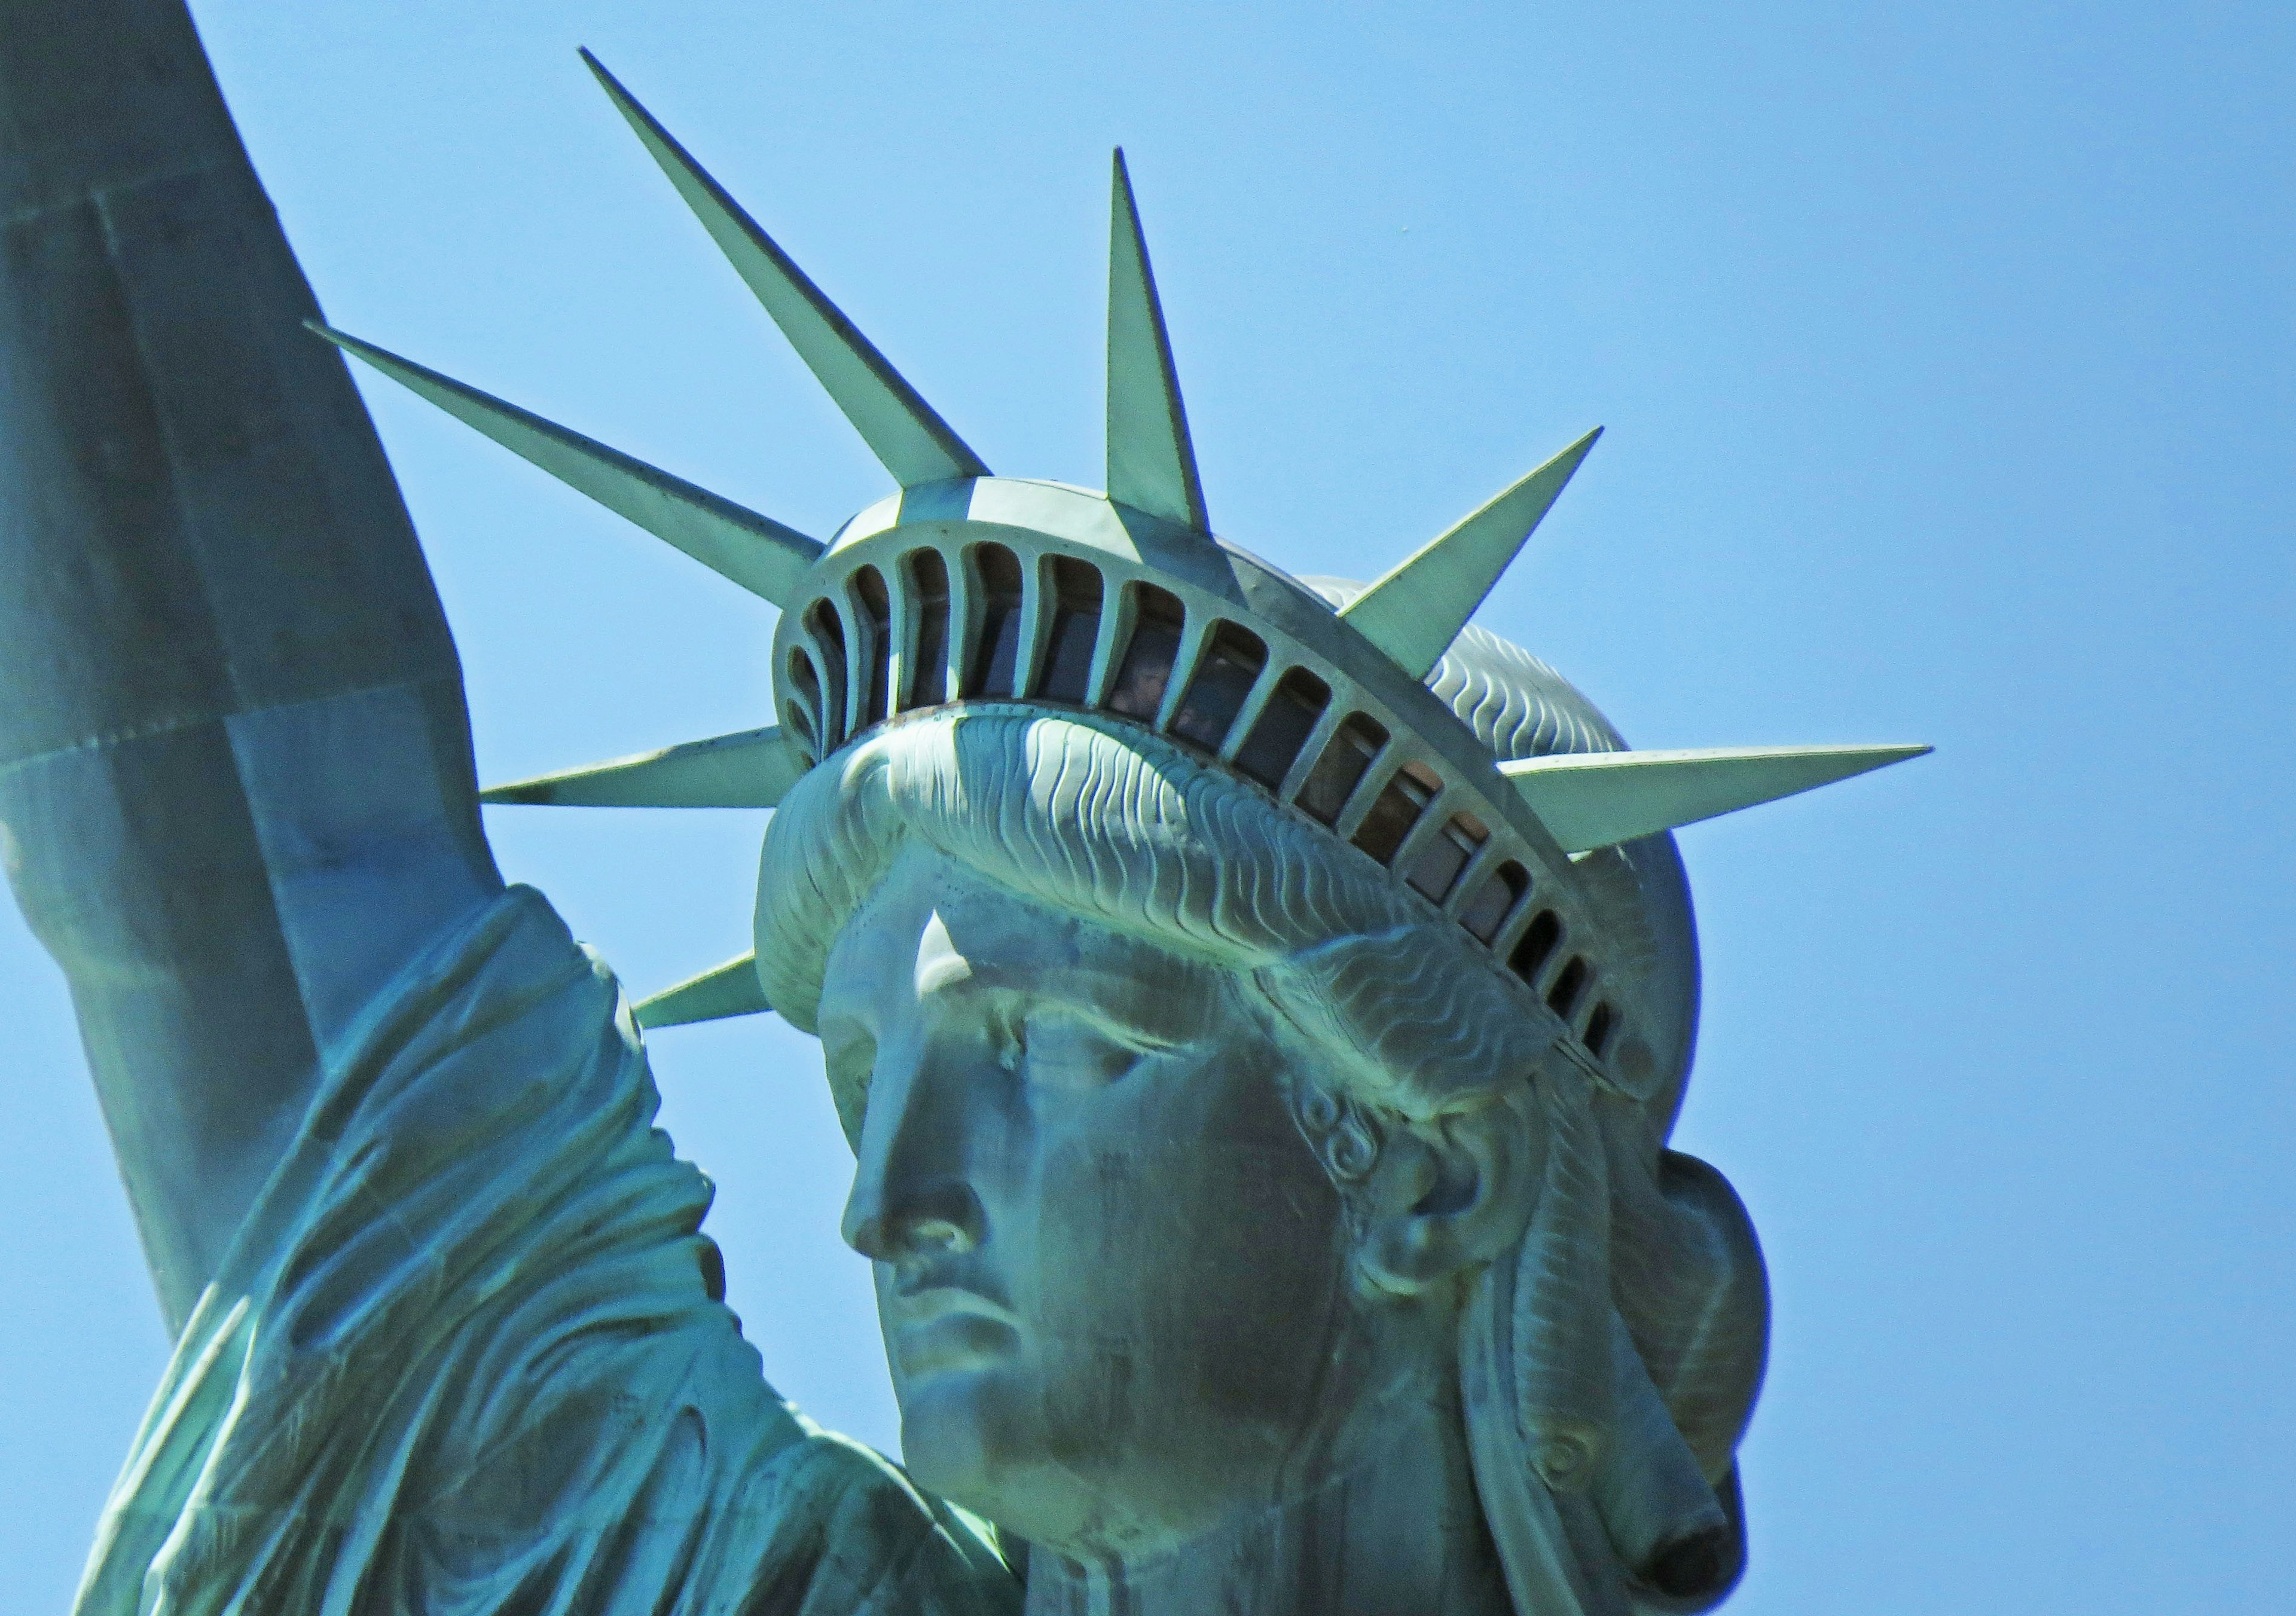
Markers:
point(997, 643)
point(1347, 757)
point(1537, 944)
point(1282, 727)
point(1436, 869)
point(828, 631)
point(1225, 675)
point(1495, 901)
point(1564, 995)
point(1400, 802)
point(877, 617)
point(1157, 619)
point(928, 666)
point(1076, 628)
point(1598, 1029)
point(809, 689)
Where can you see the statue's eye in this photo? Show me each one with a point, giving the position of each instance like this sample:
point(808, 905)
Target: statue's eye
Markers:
point(1008, 1036)
point(1060, 1050)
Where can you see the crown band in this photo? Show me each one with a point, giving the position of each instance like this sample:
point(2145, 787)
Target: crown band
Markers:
point(1012, 591)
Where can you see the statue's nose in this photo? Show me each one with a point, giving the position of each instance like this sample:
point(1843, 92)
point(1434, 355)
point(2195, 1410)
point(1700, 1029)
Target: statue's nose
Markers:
point(912, 1196)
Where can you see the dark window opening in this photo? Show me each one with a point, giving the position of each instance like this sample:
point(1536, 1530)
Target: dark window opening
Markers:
point(1076, 626)
point(1157, 620)
point(1282, 727)
point(1341, 768)
point(800, 727)
point(927, 664)
point(1537, 944)
point(801, 677)
point(1495, 901)
point(877, 614)
point(1225, 675)
point(828, 631)
point(998, 646)
point(1436, 869)
point(1401, 801)
point(1598, 1029)
point(1564, 994)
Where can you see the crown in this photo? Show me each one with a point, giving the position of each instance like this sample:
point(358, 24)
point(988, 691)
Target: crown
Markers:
point(966, 587)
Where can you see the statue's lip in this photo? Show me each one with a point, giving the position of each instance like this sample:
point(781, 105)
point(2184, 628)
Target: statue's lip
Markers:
point(940, 1329)
point(933, 1304)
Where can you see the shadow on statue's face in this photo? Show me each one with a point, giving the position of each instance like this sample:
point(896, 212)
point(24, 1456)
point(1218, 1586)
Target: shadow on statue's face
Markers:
point(1112, 1276)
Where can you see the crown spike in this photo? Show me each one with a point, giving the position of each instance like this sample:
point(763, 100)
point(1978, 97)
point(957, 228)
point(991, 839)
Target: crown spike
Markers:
point(749, 770)
point(755, 552)
point(717, 995)
point(903, 431)
point(1418, 609)
point(1596, 800)
point(1151, 464)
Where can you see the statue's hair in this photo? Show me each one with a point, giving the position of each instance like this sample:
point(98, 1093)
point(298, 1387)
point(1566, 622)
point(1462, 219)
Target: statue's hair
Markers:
point(1127, 831)
point(1610, 1362)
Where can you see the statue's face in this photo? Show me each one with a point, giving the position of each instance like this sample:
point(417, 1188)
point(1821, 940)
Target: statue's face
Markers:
point(1113, 1278)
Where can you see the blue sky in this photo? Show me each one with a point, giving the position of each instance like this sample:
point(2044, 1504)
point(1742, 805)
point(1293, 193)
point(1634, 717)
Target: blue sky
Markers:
point(1946, 358)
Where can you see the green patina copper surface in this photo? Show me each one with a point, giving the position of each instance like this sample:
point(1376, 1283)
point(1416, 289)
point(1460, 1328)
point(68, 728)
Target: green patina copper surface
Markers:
point(1257, 1005)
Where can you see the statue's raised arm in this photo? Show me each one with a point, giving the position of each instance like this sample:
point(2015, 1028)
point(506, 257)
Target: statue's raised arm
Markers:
point(448, 1330)
point(235, 770)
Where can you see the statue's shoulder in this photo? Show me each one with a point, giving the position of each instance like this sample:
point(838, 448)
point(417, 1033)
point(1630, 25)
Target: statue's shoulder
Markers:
point(885, 1543)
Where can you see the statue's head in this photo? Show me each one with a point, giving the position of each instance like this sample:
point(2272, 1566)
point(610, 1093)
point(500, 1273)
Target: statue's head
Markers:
point(1195, 1150)
point(1258, 1007)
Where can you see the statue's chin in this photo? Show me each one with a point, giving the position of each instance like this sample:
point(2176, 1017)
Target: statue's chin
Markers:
point(978, 1437)
point(958, 1438)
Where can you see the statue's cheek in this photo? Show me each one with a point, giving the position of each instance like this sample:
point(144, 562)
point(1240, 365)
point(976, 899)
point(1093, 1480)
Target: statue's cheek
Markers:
point(1187, 1289)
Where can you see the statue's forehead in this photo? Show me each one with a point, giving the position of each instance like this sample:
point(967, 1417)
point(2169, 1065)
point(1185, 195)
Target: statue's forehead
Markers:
point(930, 909)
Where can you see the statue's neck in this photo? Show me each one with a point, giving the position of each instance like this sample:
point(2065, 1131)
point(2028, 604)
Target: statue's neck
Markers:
point(1401, 1534)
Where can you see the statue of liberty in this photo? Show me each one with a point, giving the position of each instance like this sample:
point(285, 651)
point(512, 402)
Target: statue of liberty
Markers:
point(1257, 1005)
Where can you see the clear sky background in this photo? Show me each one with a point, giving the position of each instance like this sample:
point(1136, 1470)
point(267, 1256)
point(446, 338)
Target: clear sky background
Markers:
point(1946, 354)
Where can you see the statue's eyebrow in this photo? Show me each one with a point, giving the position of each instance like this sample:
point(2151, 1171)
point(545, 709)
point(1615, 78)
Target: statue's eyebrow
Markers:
point(1113, 999)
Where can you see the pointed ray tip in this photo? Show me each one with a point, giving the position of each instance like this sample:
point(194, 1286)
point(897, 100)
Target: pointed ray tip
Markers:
point(904, 432)
point(1592, 799)
point(719, 994)
point(590, 60)
point(1125, 199)
point(1567, 460)
point(1152, 457)
point(380, 358)
point(625, 103)
point(1416, 611)
point(749, 770)
point(761, 554)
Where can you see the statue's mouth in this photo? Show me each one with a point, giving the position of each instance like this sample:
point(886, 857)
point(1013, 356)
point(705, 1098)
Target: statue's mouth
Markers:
point(944, 1327)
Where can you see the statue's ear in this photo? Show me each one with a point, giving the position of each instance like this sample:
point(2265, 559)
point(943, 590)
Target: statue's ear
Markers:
point(1450, 1193)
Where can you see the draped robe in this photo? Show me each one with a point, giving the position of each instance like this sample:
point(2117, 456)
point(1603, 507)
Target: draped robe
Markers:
point(469, 1353)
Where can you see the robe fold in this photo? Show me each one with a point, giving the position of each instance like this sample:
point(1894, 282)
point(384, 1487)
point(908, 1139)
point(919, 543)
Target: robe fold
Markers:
point(469, 1354)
